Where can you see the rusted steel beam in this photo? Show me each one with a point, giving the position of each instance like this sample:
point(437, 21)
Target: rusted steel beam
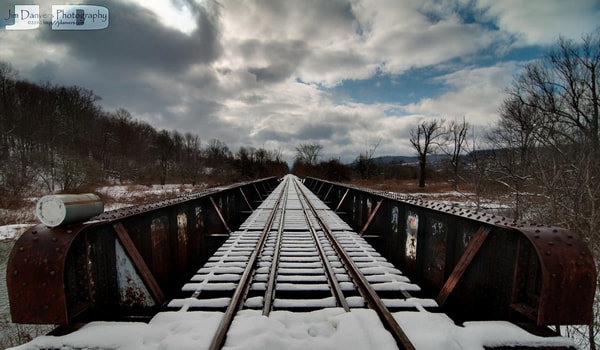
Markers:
point(139, 263)
point(246, 199)
point(371, 216)
point(320, 187)
point(327, 194)
point(260, 196)
point(219, 213)
point(462, 265)
point(264, 187)
point(342, 200)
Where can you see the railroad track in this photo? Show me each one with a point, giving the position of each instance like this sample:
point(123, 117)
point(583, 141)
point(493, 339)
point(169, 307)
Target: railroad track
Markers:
point(293, 253)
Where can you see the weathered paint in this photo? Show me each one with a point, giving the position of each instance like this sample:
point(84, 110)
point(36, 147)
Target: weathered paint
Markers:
point(132, 290)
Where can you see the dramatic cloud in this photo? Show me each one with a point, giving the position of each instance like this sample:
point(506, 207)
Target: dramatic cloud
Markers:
point(343, 73)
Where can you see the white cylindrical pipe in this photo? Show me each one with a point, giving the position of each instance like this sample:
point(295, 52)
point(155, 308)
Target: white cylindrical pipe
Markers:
point(62, 209)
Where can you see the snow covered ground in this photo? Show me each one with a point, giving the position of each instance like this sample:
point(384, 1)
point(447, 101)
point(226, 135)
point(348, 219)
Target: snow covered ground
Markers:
point(10, 232)
point(323, 329)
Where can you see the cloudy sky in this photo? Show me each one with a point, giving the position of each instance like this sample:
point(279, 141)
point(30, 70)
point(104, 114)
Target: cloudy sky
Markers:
point(277, 73)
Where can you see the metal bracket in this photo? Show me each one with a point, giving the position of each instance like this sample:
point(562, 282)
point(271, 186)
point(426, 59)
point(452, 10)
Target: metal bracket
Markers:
point(463, 263)
point(327, 194)
point(371, 217)
point(246, 200)
point(219, 213)
point(342, 200)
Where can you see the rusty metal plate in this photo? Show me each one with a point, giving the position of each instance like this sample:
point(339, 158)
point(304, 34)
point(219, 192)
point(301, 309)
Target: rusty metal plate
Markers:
point(35, 273)
point(568, 275)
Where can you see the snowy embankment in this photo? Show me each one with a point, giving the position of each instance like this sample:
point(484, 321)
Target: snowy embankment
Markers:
point(323, 329)
point(11, 232)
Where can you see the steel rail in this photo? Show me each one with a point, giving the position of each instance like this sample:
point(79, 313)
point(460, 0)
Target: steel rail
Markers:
point(365, 288)
point(236, 300)
point(329, 272)
point(270, 292)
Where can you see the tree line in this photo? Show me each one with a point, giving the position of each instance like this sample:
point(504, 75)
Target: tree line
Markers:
point(55, 138)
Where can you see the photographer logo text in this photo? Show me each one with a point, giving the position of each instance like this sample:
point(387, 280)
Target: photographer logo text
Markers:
point(62, 17)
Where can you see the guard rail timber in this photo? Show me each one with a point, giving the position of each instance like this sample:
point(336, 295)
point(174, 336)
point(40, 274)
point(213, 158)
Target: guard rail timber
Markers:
point(123, 264)
point(478, 266)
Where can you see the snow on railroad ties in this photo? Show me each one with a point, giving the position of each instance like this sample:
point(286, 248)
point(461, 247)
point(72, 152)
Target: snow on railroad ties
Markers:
point(322, 329)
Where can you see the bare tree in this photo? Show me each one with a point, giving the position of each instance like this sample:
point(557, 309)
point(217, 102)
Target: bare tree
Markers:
point(563, 91)
point(308, 153)
point(454, 146)
point(425, 140)
point(515, 139)
point(364, 162)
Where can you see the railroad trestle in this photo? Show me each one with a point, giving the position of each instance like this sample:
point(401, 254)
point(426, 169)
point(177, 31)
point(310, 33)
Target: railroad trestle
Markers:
point(128, 263)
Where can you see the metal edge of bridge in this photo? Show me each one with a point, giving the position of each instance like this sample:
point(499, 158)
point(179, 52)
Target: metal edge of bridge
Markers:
point(480, 266)
point(122, 263)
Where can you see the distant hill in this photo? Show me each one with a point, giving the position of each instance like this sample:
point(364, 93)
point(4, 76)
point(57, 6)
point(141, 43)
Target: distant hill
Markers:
point(432, 159)
point(395, 159)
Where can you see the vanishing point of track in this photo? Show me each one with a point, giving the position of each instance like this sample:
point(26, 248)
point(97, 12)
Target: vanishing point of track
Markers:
point(293, 253)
